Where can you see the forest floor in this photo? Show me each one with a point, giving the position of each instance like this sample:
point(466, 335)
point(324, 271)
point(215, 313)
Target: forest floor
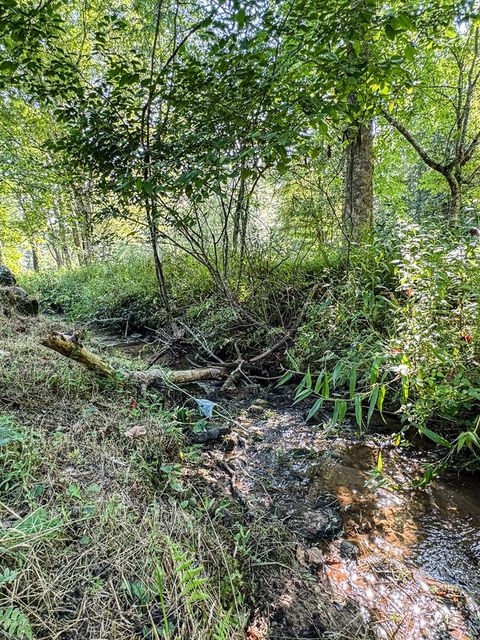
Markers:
point(116, 523)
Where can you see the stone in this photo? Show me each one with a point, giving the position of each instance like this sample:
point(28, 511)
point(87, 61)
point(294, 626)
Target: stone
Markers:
point(315, 556)
point(348, 550)
point(208, 436)
point(7, 279)
point(320, 524)
point(320, 520)
point(15, 300)
point(256, 408)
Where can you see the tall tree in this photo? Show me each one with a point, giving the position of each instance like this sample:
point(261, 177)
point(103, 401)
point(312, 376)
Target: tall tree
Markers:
point(450, 88)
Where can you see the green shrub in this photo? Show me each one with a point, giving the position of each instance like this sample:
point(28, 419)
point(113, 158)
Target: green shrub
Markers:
point(401, 327)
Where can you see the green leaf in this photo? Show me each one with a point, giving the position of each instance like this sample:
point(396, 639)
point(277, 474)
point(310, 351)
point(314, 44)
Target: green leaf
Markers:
point(319, 383)
point(337, 372)
point(240, 17)
point(288, 375)
point(148, 188)
point(308, 379)
point(339, 411)
point(353, 382)
point(410, 52)
point(403, 21)
point(374, 371)
point(8, 576)
point(302, 395)
point(373, 402)
point(357, 47)
point(326, 386)
point(358, 409)
point(380, 462)
point(390, 31)
point(434, 437)
point(316, 406)
point(381, 398)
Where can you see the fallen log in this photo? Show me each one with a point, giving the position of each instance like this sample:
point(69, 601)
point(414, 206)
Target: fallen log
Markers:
point(71, 347)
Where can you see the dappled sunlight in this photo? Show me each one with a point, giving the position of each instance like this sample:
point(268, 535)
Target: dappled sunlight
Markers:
point(380, 562)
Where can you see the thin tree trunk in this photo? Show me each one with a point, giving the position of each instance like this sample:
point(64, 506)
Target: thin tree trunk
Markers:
point(358, 205)
point(159, 272)
point(35, 259)
point(455, 199)
point(238, 216)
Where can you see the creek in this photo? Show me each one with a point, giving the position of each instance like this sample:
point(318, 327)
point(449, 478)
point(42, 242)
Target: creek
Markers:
point(409, 559)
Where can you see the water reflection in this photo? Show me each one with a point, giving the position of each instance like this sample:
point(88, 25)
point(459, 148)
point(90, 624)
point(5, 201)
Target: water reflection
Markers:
point(418, 568)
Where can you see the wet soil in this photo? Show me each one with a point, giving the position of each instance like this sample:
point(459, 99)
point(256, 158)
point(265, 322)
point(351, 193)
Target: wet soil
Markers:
point(410, 559)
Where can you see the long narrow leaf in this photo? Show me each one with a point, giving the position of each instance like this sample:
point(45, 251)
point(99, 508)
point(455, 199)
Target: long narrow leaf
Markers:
point(380, 399)
point(358, 409)
point(285, 378)
point(373, 402)
point(316, 406)
point(353, 382)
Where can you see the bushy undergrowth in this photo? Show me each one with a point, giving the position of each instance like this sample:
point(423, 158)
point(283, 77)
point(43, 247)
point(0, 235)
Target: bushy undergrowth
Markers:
point(396, 326)
point(123, 288)
point(249, 314)
point(401, 329)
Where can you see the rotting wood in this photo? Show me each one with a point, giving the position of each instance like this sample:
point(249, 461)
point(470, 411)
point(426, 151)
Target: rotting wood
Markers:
point(70, 347)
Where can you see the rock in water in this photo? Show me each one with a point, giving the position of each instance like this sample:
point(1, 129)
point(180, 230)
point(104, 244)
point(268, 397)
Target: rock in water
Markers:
point(7, 279)
point(321, 520)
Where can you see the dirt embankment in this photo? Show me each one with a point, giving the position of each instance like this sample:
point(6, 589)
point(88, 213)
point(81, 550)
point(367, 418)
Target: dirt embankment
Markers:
point(109, 513)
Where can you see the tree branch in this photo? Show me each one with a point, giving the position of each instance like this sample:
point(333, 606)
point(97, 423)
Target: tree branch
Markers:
point(437, 166)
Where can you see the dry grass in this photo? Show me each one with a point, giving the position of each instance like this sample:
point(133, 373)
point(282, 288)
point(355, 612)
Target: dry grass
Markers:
point(92, 523)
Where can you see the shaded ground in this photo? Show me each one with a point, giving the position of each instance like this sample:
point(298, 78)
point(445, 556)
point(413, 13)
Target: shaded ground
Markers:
point(105, 534)
point(275, 519)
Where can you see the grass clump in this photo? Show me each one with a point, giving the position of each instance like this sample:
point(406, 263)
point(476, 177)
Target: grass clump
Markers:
point(92, 547)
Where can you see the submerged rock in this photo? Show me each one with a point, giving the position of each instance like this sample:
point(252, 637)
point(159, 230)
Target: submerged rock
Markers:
point(7, 279)
point(348, 550)
point(320, 521)
point(320, 524)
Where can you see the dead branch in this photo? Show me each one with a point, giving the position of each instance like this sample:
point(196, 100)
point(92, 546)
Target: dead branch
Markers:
point(70, 347)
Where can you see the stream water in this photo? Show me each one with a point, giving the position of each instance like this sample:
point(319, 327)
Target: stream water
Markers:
point(410, 559)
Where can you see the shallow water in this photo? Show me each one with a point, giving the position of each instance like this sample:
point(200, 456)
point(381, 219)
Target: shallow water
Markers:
point(416, 570)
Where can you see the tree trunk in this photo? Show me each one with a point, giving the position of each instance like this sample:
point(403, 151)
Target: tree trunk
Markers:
point(358, 205)
point(455, 199)
point(35, 259)
point(161, 282)
point(238, 216)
